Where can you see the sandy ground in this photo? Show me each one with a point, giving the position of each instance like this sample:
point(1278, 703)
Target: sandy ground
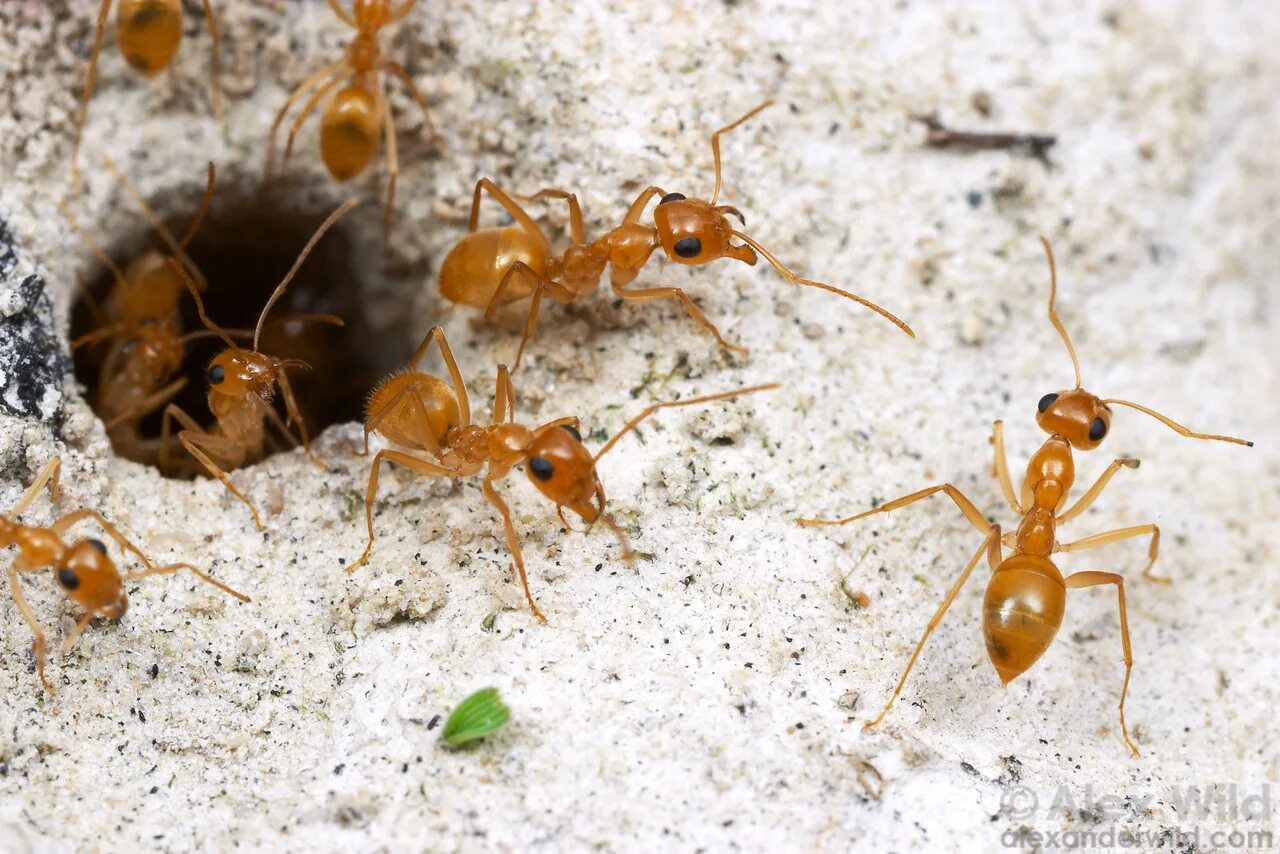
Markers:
point(712, 696)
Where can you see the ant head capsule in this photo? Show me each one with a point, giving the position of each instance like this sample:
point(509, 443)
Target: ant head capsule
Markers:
point(694, 231)
point(1077, 416)
point(234, 373)
point(564, 471)
point(88, 576)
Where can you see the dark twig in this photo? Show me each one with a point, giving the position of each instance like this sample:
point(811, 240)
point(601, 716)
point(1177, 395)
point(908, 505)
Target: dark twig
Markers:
point(940, 136)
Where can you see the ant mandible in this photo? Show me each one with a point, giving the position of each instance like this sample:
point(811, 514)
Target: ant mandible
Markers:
point(359, 114)
point(432, 419)
point(149, 33)
point(494, 266)
point(84, 571)
point(142, 325)
point(1026, 596)
point(242, 388)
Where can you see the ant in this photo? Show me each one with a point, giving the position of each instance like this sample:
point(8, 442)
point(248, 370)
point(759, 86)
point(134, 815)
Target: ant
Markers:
point(1027, 594)
point(432, 419)
point(242, 387)
point(149, 33)
point(84, 571)
point(494, 266)
point(142, 325)
point(359, 113)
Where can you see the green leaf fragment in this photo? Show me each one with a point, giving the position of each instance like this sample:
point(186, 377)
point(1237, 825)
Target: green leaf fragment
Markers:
point(477, 716)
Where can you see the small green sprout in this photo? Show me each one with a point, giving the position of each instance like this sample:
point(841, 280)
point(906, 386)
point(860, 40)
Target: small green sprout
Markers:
point(477, 716)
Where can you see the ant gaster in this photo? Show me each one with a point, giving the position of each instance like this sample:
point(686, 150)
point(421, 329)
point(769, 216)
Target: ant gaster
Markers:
point(149, 33)
point(1027, 594)
point(242, 388)
point(494, 266)
point(431, 418)
point(83, 570)
point(359, 114)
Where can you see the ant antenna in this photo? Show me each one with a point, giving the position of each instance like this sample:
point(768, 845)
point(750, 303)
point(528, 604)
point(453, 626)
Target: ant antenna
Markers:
point(195, 294)
point(154, 221)
point(715, 144)
point(205, 204)
point(1053, 314)
point(306, 250)
point(794, 279)
point(1169, 422)
point(634, 422)
point(93, 246)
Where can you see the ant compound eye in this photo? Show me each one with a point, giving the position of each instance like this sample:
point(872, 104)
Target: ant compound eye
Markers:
point(673, 197)
point(68, 579)
point(217, 374)
point(148, 321)
point(1097, 430)
point(1047, 401)
point(688, 247)
point(99, 545)
point(541, 468)
point(572, 431)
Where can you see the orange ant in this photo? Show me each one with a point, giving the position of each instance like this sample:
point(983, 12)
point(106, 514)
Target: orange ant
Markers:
point(84, 571)
point(432, 418)
point(1027, 594)
point(242, 387)
point(142, 325)
point(494, 266)
point(359, 114)
point(149, 33)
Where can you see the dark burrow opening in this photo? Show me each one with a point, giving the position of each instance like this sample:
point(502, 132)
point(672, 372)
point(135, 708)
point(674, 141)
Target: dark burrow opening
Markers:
point(244, 249)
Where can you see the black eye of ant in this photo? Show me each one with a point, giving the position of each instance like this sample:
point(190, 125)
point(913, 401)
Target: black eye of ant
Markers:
point(98, 544)
point(672, 197)
point(573, 431)
point(1097, 430)
point(217, 374)
point(688, 247)
point(541, 468)
point(1047, 401)
point(68, 579)
point(148, 321)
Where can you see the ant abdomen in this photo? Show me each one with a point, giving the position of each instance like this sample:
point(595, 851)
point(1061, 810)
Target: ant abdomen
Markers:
point(149, 33)
point(475, 267)
point(350, 132)
point(1021, 613)
point(402, 401)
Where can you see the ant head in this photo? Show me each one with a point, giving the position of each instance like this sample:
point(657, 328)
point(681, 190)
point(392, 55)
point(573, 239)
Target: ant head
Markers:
point(695, 231)
point(564, 471)
point(237, 373)
point(88, 576)
point(1077, 416)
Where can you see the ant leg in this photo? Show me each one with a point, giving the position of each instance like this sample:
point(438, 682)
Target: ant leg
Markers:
point(637, 207)
point(393, 160)
point(1002, 469)
point(1108, 537)
point(411, 462)
point(398, 70)
point(651, 294)
point(174, 567)
point(504, 398)
point(38, 643)
point(966, 506)
point(1092, 494)
point(513, 543)
point(542, 286)
point(1080, 580)
point(446, 353)
point(291, 406)
point(100, 334)
point(303, 88)
point(89, 81)
point(991, 541)
point(61, 526)
point(342, 13)
point(518, 213)
point(191, 443)
point(307, 109)
point(576, 229)
point(48, 474)
point(214, 88)
point(148, 404)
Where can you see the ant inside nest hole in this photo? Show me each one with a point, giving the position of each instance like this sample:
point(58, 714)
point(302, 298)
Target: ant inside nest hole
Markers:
point(242, 248)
